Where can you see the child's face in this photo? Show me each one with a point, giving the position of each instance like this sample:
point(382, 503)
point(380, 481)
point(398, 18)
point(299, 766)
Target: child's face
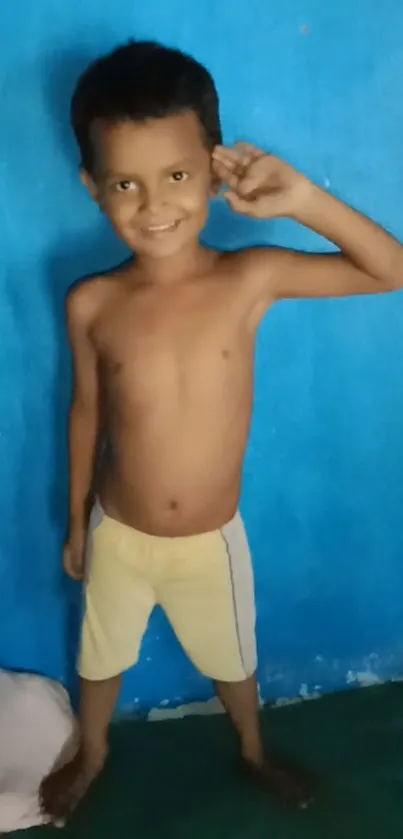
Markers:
point(153, 180)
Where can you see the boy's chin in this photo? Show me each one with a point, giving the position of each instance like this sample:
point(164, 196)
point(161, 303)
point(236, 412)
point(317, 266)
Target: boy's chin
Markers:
point(160, 250)
point(167, 246)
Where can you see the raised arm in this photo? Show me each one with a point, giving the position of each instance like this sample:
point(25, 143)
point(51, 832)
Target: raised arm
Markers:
point(83, 427)
point(262, 186)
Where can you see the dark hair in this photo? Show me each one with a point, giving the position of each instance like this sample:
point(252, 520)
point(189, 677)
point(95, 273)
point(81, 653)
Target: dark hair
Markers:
point(139, 81)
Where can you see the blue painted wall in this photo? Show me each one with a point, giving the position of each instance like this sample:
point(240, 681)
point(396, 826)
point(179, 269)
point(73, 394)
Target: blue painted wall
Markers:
point(322, 84)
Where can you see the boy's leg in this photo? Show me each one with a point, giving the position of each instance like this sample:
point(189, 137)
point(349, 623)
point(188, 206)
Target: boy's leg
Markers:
point(271, 772)
point(63, 789)
point(240, 700)
point(118, 602)
point(97, 704)
point(210, 604)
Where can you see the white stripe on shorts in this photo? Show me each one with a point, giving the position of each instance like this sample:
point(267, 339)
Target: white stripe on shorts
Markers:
point(243, 593)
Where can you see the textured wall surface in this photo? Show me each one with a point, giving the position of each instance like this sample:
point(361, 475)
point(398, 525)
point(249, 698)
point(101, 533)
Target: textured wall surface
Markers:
point(322, 84)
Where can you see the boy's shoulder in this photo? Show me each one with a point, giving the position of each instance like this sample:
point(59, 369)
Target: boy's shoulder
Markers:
point(258, 273)
point(89, 295)
point(252, 263)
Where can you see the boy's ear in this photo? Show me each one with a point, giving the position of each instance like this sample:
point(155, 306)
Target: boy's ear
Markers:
point(89, 183)
point(215, 180)
point(215, 186)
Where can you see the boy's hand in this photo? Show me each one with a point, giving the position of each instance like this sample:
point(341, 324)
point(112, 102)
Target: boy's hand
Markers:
point(260, 185)
point(74, 556)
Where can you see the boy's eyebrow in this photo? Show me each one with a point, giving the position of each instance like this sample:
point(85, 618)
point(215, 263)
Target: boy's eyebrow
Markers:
point(127, 176)
point(119, 176)
point(179, 164)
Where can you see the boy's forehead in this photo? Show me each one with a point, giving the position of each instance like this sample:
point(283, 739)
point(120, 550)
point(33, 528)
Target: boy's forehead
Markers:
point(128, 145)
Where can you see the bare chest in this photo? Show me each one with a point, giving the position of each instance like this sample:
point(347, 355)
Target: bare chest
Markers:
point(167, 349)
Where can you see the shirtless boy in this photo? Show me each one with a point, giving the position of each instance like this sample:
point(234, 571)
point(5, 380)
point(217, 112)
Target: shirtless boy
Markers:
point(163, 353)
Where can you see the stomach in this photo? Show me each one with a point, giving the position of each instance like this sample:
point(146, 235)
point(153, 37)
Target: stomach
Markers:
point(176, 473)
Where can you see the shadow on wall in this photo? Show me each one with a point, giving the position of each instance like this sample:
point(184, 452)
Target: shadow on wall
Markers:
point(68, 261)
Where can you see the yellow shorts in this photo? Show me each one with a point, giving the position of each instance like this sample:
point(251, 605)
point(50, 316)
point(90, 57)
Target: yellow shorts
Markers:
point(204, 584)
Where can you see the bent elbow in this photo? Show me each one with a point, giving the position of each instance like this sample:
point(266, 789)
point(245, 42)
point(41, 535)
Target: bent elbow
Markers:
point(394, 280)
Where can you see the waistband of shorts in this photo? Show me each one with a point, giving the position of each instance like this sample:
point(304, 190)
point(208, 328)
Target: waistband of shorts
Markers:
point(98, 515)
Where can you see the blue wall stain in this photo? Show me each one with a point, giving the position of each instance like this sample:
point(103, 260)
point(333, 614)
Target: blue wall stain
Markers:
point(321, 84)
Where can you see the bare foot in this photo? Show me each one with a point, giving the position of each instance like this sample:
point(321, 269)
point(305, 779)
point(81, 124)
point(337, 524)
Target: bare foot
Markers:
point(288, 784)
point(62, 790)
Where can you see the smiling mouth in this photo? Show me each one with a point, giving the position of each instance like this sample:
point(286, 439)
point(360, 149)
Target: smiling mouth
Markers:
point(160, 229)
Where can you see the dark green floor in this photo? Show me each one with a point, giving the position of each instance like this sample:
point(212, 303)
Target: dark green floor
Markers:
point(176, 780)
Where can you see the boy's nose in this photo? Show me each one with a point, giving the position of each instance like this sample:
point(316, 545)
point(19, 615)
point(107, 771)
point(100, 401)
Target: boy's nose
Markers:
point(152, 200)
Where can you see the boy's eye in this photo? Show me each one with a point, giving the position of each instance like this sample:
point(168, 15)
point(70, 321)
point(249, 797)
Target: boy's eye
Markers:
point(178, 177)
point(126, 186)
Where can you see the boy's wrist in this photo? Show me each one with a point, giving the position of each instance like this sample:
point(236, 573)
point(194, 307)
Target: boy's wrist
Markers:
point(306, 202)
point(77, 525)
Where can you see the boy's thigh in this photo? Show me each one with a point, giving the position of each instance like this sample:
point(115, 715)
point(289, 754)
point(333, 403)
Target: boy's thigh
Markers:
point(211, 605)
point(118, 602)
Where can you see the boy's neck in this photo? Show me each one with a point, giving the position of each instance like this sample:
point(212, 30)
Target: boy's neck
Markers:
point(189, 262)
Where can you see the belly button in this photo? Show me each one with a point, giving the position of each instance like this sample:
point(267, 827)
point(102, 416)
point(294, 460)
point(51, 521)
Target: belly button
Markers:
point(116, 367)
point(225, 353)
point(173, 505)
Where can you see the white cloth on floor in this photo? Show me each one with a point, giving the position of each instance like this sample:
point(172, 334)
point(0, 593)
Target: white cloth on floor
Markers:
point(37, 732)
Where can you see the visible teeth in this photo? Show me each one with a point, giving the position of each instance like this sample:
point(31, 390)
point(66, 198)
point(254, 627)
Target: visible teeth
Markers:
point(159, 228)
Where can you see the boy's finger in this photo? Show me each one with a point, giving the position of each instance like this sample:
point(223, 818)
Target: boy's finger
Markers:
point(239, 205)
point(225, 174)
point(249, 185)
point(252, 151)
point(229, 166)
point(225, 150)
point(225, 156)
point(230, 156)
